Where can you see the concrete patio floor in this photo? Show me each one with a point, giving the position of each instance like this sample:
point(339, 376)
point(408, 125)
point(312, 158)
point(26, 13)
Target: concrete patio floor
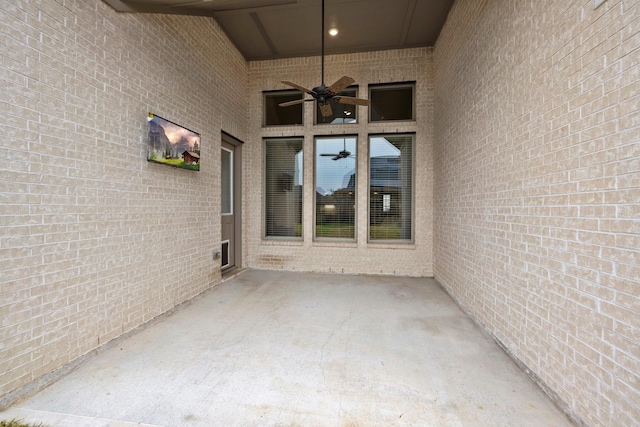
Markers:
point(269, 348)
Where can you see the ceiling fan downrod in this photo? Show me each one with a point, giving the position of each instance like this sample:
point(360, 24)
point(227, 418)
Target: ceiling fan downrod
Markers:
point(322, 76)
point(322, 94)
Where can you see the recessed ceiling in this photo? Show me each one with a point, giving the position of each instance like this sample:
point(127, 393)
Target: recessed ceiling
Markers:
point(270, 29)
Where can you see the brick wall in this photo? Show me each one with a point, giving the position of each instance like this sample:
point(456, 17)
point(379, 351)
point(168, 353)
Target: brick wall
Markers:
point(535, 173)
point(95, 241)
point(359, 257)
point(537, 190)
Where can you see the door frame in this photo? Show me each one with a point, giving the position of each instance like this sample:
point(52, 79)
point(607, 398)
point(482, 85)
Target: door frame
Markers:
point(236, 196)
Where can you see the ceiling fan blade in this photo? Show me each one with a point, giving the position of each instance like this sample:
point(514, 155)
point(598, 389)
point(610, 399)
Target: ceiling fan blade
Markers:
point(350, 100)
point(325, 110)
point(341, 84)
point(294, 102)
point(328, 155)
point(300, 88)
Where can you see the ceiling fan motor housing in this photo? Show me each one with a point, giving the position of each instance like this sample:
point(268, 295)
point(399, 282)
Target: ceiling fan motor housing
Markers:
point(320, 89)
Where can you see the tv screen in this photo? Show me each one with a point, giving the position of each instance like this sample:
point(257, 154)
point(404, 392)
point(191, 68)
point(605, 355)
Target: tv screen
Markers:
point(173, 145)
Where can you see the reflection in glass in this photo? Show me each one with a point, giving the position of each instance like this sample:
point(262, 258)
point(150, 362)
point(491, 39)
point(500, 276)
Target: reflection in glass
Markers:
point(226, 164)
point(335, 181)
point(390, 187)
point(342, 113)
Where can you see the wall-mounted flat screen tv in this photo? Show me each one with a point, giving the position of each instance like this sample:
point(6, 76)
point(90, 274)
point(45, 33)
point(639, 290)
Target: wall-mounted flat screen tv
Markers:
point(172, 144)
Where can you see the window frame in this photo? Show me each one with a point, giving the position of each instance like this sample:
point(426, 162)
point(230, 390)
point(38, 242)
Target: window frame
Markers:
point(229, 182)
point(345, 92)
point(410, 240)
point(317, 238)
point(282, 92)
point(390, 86)
point(265, 192)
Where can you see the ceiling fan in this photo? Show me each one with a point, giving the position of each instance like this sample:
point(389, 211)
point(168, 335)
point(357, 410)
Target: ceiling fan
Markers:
point(342, 154)
point(325, 95)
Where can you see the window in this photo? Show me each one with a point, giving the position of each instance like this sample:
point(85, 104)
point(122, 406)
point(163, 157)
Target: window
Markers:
point(335, 183)
point(226, 174)
point(391, 102)
point(275, 115)
point(342, 113)
point(283, 188)
point(390, 187)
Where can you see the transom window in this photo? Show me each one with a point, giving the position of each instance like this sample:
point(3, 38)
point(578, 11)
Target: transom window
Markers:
point(335, 184)
point(275, 115)
point(391, 102)
point(342, 113)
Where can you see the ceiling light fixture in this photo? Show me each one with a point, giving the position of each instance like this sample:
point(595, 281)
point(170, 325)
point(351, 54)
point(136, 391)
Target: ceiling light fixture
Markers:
point(333, 32)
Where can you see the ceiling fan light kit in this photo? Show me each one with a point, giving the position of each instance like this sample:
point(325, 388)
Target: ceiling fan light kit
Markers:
point(322, 94)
